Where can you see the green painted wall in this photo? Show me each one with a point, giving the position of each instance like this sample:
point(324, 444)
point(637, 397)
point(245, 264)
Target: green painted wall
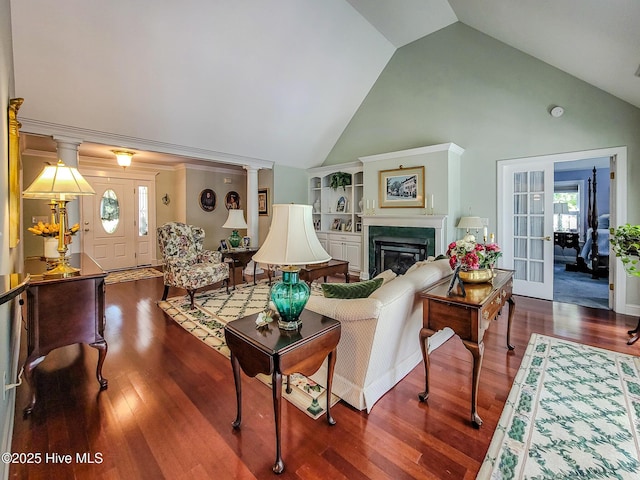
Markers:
point(459, 85)
point(290, 185)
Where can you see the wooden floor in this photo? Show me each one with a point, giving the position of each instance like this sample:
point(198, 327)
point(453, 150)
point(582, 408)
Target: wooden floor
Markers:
point(168, 410)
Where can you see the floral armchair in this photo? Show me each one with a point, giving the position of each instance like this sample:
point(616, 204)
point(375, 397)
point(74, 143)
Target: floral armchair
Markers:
point(185, 263)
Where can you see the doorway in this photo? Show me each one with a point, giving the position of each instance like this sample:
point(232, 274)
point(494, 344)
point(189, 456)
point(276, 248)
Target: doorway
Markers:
point(529, 242)
point(119, 221)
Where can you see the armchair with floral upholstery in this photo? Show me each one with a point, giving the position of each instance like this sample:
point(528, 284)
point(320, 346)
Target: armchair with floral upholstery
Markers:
point(185, 263)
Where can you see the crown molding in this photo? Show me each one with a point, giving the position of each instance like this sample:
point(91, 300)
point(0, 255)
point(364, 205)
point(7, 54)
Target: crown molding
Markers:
point(38, 127)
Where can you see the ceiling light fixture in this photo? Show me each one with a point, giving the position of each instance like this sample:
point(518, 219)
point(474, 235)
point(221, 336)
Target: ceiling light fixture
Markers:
point(124, 158)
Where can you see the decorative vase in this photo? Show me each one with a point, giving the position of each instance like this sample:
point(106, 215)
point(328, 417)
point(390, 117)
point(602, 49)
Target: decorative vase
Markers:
point(51, 247)
point(290, 296)
point(316, 206)
point(481, 275)
point(235, 239)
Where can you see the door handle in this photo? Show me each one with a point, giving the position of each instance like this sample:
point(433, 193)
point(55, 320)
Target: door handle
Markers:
point(547, 238)
point(86, 229)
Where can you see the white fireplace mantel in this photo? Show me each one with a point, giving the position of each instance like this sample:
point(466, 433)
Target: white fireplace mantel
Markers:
point(438, 222)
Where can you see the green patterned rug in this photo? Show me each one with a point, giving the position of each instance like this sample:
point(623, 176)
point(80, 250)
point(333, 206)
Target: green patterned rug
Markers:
point(215, 308)
point(131, 275)
point(573, 412)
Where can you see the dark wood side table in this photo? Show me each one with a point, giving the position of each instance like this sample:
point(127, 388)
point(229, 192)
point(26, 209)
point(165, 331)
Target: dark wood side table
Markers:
point(64, 311)
point(567, 240)
point(310, 272)
point(240, 258)
point(270, 350)
point(468, 317)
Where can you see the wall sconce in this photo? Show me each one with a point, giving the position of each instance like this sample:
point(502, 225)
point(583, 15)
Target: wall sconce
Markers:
point(123, 158)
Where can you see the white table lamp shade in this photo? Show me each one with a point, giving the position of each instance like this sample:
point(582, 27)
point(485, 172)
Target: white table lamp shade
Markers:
point(235, 220)
point(291, 240)
point(59, 181)
point(470, 222)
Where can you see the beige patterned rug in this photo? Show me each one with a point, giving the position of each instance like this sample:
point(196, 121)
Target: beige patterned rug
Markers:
point(215, 308)
point(131, 275)
point(573, 413)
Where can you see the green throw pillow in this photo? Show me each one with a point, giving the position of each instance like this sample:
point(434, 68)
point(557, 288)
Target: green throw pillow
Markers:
point(351, 290)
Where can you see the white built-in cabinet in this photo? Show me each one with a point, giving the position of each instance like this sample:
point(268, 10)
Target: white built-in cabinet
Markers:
point(337, 212)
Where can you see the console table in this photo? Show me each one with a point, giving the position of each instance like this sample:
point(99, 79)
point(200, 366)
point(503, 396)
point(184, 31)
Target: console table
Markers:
point(269, 350)
point(64, 311)
point(469, 317)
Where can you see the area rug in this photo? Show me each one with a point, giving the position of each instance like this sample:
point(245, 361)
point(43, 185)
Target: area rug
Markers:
point(130, 275)
point(573, 412)
point(215, 308)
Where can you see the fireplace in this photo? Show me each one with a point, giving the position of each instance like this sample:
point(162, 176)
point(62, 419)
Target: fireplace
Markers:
point(397, 253)
point(398, 241)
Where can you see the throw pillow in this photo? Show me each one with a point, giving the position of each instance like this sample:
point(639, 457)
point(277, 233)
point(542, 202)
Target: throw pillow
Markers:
point(351, 290)
point(386, 276)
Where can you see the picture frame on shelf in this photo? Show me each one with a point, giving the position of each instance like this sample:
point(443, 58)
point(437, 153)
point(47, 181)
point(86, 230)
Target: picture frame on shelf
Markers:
point(263, 201)
point(358, 227)
point(316, 224)
point(401, 187)
point(337, 223)
point(224, 246)
point(246, 242)
point(349, 226)
point(207, 200)
point(341, 206)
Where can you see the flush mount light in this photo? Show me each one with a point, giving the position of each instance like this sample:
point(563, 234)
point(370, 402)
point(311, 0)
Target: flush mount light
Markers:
point(556, 111)
point(123, 158)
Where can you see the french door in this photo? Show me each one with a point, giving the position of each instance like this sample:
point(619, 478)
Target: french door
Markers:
point(527, 225)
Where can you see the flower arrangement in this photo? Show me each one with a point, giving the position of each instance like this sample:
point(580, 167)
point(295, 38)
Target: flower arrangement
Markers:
point(51, 229)
point(472, 255)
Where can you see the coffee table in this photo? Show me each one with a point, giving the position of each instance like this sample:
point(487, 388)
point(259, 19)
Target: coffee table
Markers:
point(311, 272)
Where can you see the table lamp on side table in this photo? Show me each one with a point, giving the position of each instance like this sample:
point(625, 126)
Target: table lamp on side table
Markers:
point(291, 242)
point(235, 220)
point(62, 184)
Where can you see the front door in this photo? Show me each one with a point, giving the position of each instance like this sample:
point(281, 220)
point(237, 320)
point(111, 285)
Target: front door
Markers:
point(527, 220)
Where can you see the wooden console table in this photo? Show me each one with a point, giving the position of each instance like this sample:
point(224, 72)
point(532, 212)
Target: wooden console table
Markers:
point(64, 311)
point(269, 350)
point(469, 317)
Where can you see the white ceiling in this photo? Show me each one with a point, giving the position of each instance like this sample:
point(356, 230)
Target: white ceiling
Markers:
point(274, 81)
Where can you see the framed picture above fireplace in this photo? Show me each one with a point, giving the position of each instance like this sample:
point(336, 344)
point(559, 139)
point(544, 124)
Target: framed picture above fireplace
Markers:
point(401, 187)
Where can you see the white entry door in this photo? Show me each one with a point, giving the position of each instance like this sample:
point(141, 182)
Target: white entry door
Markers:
point(115, 223)
point(527, 225)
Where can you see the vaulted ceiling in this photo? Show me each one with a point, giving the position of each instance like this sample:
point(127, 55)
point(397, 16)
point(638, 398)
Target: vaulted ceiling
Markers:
point(269, 82)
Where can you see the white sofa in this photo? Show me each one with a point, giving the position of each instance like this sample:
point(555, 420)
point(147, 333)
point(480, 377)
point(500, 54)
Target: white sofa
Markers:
point(380, 335)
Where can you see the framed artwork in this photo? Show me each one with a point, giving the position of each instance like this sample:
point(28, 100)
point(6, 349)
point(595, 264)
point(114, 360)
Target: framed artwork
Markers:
point(224, 246)
point(208, 200)
point(341, 207)
point(232, 201)
point(401, 187)
point(263, 201)
point(337, 223)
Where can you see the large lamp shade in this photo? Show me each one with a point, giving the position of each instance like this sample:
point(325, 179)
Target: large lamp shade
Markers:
point(291, 241)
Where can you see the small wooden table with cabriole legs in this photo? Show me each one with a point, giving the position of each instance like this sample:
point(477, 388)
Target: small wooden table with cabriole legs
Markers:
point(468, 317)
point(269, 350)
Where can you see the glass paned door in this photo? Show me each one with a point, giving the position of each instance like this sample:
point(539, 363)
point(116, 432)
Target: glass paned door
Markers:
point(528, 246)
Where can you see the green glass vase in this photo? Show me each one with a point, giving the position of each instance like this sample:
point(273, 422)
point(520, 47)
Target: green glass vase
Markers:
point(290, 296)
point(235, 239)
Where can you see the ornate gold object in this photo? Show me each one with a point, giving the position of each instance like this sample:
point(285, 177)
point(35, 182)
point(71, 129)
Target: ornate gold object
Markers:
point(481, 275)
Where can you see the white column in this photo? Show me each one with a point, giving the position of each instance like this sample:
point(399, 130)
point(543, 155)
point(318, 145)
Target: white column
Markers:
point(67, 149)
point(252, 212)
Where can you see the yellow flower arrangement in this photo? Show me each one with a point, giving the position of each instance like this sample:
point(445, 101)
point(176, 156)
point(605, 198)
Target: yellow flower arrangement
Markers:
point(51, 229)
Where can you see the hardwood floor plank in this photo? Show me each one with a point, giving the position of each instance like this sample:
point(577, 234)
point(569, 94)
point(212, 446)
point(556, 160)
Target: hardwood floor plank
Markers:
point(171, 399)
